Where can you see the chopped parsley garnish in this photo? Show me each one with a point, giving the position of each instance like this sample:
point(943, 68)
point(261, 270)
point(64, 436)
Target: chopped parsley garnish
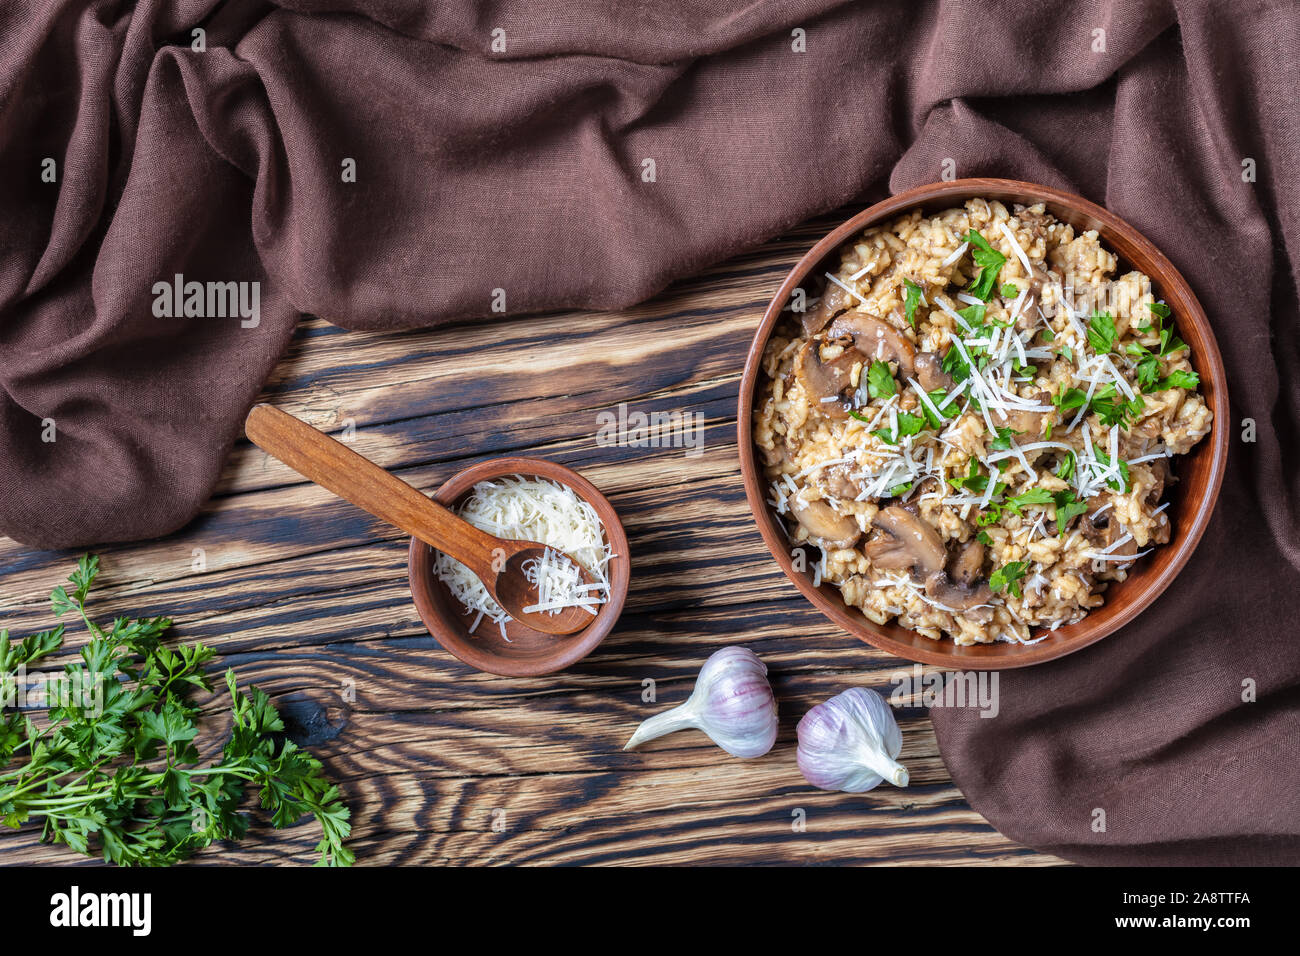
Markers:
point(1066, 469)
point(1009, 290)
point(984, 539)
point(990, 262)
point(880, 380)
point(1003, 440)
point(1070, 399)
point(908, 424)
point(957, 368)
point(1148, 366)
point(1106, 404)
point(1034, 496)
point(1068, 505)
point(1126, 487)
point(899, 490)
point(1148, 362)
point(1113, 410)
point(1169, 343)
point(973, 480)
point(1101, 332)
point(1178, 378)
point(1008, 578)
point(939, 399)
point(974, 316)
point(911, 299)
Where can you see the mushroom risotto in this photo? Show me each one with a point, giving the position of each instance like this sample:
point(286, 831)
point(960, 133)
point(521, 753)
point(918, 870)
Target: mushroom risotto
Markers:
point(974, 422)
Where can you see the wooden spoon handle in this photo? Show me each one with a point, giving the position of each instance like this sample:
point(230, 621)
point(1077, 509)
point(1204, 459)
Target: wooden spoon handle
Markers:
point(334, 466)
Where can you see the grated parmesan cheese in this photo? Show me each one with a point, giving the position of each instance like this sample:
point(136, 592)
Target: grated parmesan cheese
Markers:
point(534, 509)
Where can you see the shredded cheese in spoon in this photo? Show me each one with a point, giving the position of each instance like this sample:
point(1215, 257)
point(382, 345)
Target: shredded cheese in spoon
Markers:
point(534, 509)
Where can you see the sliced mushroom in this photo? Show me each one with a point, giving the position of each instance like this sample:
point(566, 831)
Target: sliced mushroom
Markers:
point(1149, 427)
point(930, 373)
point(939, 587)
point(834, 300)
point(913, 503)
point(1102, 532)
point(1028, 316)
point(838, 480)
point(825, 526)
point(1163, 476)
point(876, 339)
point(960, 586)
point(968, 563)
point(905, 541)
point(826, 380)
point(1028, 425)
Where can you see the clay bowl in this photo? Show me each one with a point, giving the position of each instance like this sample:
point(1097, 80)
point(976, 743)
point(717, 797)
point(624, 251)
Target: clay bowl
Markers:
point(1200, 473)
point(527, 653)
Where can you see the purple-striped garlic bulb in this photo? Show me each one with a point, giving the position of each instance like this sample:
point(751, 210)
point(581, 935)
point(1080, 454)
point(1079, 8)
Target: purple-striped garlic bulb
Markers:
point(849, 743)
point(732, 702)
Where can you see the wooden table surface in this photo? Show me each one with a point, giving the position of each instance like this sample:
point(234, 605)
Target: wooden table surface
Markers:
point(306, 596)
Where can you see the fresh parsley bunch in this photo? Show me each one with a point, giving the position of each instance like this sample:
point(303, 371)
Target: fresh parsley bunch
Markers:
point(116, 771)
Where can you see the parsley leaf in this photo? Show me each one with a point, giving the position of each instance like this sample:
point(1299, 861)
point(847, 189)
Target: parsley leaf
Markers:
point(1148, 362)
point(1101, 332)
point(955, 365)
point(115, 771)
point(1148, 370)
point(911, 299)
point(973, 480)
point(939, 399)
point(908, 424)
point(1178, 378)
point(1113, 410)
point(974, 316)
point(1008, 577)
point(1009, 290)
point(1003, 440)
point(1113, 483)
point(1034, 496)
point(1068, 506)
point(880, 380)
point(1066, 468)
point(990, 262)
point(1070, 399)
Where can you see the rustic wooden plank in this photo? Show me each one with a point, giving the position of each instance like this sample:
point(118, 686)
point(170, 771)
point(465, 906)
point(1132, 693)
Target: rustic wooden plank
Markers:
point(703, 826)
point(307, 597)
point(691, 535)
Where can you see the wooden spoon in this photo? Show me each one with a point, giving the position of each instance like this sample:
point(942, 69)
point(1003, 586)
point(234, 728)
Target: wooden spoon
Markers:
point(497, 562)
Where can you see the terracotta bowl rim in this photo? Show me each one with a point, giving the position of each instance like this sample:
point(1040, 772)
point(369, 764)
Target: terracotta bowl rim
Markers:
point(569, 650)
point(1206, 359)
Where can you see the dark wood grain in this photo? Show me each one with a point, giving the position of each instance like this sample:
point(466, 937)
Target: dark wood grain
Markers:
point(307, 597)
point(497, 563)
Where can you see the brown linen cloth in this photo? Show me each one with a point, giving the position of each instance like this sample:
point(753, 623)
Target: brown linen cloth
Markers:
point(522, 169)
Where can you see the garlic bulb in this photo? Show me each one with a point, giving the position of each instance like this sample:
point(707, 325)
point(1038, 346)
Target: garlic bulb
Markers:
point(732, 702)
point(849, 743)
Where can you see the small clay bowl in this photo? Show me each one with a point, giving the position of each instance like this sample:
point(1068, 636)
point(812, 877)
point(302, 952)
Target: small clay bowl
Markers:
point(527, 653)
point(1200, 473)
